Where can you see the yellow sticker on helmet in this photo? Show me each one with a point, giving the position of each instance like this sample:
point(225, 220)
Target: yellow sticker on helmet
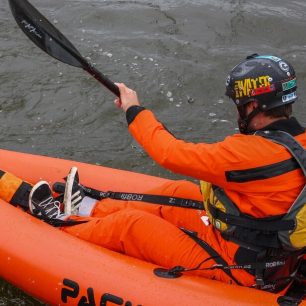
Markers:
point(243, 88)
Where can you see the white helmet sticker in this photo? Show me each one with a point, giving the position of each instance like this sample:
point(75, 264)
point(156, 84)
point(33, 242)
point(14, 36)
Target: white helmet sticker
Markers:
point(290, 97)
point(284, 66)
point(228, 79)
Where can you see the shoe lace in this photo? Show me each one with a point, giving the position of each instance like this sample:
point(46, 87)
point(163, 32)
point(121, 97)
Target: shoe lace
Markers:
point(49, 208)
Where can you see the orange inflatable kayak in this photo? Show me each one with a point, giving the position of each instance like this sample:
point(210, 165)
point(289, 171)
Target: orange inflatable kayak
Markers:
point(59, 269)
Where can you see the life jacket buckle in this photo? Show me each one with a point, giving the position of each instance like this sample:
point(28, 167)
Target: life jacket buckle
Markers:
point(260, 282)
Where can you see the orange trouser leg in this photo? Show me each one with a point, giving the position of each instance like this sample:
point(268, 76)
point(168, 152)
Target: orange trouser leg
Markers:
point(181, 217)
point(144, 236)
point(148, 237)
point(151, 232)
point(14, 190)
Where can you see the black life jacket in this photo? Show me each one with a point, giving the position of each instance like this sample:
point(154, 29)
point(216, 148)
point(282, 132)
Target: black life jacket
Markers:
point(275, 244)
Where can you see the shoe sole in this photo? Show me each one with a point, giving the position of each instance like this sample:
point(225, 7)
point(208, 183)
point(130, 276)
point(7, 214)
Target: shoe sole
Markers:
point(67, 195)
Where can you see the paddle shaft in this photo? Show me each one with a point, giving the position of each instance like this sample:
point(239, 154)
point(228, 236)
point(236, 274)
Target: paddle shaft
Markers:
point(99, 76)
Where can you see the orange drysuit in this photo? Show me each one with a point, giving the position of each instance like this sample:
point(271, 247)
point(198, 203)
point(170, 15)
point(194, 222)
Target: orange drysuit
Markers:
point(259, 176)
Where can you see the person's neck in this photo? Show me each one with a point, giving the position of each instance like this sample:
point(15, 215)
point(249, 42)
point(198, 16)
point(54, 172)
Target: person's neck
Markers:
point(261, 121)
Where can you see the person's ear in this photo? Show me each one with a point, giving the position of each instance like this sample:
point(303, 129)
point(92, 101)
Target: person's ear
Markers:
point(254, 104)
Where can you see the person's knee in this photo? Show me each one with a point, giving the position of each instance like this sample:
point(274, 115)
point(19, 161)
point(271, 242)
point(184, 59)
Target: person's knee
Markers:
point(182, 188)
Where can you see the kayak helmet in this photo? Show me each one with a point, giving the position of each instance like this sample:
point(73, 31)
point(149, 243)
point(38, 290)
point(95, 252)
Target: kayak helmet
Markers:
point(265, 78)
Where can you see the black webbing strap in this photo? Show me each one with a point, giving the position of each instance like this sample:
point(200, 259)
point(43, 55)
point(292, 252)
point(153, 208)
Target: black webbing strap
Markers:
point(294, 295)
point(212, 252)
point(137, 197)
point(303, 267)
point(257, 224)
point(297, 290)
point(260, 266)
point(62, 223)
point(21, 196)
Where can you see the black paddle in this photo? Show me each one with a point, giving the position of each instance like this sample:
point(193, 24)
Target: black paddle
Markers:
point(47, 37)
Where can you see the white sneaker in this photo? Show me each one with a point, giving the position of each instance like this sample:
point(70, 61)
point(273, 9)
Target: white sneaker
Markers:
point(73, 193)
point(42, 204)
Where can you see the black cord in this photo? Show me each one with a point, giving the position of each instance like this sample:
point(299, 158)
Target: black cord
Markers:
point(179, 269)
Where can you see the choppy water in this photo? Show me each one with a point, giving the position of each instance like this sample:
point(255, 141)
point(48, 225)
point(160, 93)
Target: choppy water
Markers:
point(175, 53)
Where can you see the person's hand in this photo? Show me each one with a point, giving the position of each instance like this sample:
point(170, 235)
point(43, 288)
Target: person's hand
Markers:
point(128, 97)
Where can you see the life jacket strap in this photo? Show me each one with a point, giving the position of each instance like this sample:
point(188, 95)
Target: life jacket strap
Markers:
point(268, 224)
point(213, 253)
point(294, 295)
point(268, 261)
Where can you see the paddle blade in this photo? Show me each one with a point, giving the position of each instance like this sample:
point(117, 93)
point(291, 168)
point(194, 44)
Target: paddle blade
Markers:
point(45, 35)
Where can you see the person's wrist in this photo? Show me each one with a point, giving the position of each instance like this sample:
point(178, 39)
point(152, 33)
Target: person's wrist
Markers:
point(132, 112)
point(127, 106)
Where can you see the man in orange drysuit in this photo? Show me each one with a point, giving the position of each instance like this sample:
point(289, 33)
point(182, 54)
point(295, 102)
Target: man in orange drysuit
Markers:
point(248, 182)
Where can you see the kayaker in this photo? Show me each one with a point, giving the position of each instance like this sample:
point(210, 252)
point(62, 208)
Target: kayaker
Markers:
point(252, 231)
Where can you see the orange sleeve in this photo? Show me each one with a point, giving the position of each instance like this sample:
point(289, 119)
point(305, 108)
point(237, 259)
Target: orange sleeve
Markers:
point(201, 161)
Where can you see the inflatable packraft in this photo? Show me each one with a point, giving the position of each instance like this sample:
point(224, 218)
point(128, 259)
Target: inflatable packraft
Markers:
point(60, 269)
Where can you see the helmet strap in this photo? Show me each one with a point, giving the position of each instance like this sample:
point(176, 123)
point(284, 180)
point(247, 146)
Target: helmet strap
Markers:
point(244, 120)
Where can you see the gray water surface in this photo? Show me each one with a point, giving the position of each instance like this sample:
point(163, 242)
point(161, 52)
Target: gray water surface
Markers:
point(176, 54)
